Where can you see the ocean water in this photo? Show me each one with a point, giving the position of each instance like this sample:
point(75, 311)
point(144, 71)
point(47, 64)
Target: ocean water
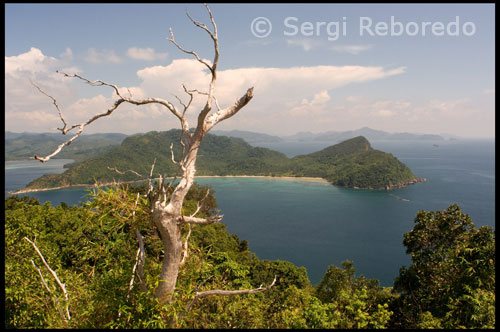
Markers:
point(315, 224)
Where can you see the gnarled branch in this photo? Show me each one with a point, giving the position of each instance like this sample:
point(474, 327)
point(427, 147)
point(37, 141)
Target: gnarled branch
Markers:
point(54, 274)
point(117, 103)
point(185, 251)
point(201, 221)
point(129, 170)
point(228, 112)
point(63, 129)
point(223, 293)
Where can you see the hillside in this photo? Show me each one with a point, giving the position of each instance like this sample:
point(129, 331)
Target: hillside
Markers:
point(352, 163)
point(20, 146)
point(248, 136)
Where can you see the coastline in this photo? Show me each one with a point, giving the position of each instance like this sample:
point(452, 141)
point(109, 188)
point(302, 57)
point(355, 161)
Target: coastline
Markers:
point(23, 191)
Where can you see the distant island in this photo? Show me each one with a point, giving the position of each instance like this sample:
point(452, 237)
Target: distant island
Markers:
point(352, 163)
point(328, 136)
point(368, 133)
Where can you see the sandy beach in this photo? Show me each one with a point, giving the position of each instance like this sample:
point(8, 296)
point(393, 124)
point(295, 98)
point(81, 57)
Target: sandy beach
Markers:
point(23, 191)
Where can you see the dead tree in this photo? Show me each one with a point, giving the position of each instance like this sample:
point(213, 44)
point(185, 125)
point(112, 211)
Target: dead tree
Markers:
point(167, 214)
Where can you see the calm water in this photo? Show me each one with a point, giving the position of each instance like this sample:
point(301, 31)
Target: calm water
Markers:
point(314, 224)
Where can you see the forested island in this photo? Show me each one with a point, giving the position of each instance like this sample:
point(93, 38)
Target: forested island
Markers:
point(350, 164)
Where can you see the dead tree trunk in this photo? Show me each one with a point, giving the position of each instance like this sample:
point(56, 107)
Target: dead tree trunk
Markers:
point(167, 214)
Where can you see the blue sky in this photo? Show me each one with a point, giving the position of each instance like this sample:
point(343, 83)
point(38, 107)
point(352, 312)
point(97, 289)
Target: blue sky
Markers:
point(304, 81)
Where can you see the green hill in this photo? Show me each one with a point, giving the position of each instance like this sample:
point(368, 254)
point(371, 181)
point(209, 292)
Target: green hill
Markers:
point(352, 163)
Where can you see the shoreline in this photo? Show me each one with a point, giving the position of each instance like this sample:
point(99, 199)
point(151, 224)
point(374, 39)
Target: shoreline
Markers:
point(23, 191)
point(305, 178)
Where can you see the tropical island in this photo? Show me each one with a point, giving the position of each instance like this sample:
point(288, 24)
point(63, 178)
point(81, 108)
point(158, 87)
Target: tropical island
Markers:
point(352, 163)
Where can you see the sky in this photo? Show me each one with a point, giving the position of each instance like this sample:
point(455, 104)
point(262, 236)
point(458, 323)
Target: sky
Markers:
point(418, 68)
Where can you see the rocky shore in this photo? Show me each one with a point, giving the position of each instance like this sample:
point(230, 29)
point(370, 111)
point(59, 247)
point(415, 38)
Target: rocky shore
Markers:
point(404, 184)
point(395, 186)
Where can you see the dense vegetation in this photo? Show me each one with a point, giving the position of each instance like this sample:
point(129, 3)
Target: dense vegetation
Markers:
point(93, 251)
point(353, 163)
point(451, 282)
point(25, 145)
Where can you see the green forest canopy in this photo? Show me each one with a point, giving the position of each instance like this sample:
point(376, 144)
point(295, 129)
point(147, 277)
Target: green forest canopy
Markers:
point(449, 284)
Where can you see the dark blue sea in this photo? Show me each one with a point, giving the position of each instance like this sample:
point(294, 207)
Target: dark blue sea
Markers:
point(315, 224)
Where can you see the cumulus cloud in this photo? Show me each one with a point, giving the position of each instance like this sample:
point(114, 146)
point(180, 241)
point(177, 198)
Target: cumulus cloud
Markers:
point(25, 107)
point(104, 56)
point(277, 91)
point(32, 61)
point(147, 54)
point(316, 106)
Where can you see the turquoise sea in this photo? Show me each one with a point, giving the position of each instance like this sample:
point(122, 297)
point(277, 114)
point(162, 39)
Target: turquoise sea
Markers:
point(315, 224)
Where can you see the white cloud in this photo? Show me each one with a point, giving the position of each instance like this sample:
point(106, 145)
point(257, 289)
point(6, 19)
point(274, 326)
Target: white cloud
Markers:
point(25, 107)
point(318, 99)
point(309, 44)
point(147, 54)
point(32, 61)
point(385, 113)
point(67, 55)
point(104, 56)
point(277, 91)
point(447, 106)
point(306, 44)
point(317, 106)
point(489, 91)
point(352, 49)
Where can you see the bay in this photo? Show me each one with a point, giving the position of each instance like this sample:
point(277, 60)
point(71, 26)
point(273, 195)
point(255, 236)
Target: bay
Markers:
point(315, 224)
point(19, 173)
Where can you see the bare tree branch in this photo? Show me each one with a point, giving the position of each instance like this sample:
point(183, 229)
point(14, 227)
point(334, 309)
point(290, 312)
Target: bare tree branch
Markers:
point(223, 293)
point(142, 257)
point(172, 40)
point(54, 298)
point(199, 204)
point(63, 129)
point(117, 103)
point(93, 83)
point(201, 221)
point(131, 284)
point(221, 115)
point(178, 163)
point(142, 261)
point(233, 292)
point(119, 172)
point(185, 252)
point(54, 274)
